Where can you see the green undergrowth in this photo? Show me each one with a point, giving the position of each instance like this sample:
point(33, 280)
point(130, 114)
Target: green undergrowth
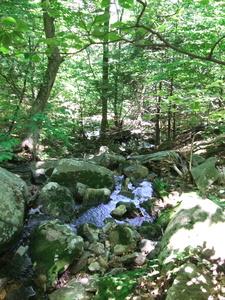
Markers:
point(7, 143)
point(119, 286)
point(125, 285)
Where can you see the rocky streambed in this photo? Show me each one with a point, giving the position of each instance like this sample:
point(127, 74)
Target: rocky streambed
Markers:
point(91, 229)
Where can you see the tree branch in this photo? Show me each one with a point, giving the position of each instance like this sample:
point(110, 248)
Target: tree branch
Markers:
point(214, 46)
point(171, 46)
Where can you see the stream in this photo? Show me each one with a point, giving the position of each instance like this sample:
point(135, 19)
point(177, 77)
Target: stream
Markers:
point(98, 214)
point(20, 268)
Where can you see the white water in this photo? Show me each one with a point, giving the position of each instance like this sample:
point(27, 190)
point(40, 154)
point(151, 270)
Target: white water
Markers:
point(98, 214)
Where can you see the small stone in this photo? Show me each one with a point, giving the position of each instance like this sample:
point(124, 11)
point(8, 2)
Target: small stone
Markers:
point(95, 266)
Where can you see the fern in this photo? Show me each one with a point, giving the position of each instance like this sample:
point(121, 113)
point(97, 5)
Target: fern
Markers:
point(7, 143)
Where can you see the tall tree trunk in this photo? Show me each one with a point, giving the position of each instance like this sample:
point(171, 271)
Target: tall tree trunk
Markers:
point(158, 115)
point(54, 61)
point(169, 113)
point(105, 79)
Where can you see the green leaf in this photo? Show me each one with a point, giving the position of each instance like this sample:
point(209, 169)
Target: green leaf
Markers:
point(179, 10)
point(35, 58)
point(204, 2)
point(126, 3)
point(113, 36)
point(8, 21)
point(163, 27)
point(4, 50)
point(117, 24)
point(6, 41)
point(72, 36)
point(104, 3)
point(102, 18)
point(27, 55)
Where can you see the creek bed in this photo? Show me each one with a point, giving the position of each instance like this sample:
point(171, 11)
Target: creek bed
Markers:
point(98, 214)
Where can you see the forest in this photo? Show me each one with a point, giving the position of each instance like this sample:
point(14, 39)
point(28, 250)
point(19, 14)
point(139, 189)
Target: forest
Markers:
point(70, 70)
point(111, 88)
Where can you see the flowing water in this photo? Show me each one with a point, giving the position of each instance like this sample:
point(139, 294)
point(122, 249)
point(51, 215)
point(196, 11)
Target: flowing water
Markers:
point(98, 214)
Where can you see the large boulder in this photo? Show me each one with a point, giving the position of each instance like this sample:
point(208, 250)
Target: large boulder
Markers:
point(57, 201)
point(42, 170)
point(108, 160)
point(136, 171)
point(14, 192)
point(196, 226)
point(205, 174)
point(53, 248)
point(191, 283)
point(73, 290)
point(70, 171)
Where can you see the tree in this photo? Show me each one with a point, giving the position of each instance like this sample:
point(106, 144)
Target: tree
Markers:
point(54, 61)
point(105, 74)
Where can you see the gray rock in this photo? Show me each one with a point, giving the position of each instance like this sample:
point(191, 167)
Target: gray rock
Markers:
point(42, 170)
point(132, 259)
point(14, 192)
point(205, 174)
point(70, 171)
point(80, 190)
point(136, 171)
point(147, 246)
point(110, 161)
point(57, 201)
point(71, 291)
point(81, 263)
point(97, 248)
point(195, 225)
point(119, 211)
point(94, 267)
point(123, 239)
point(89, 232)
point(190, 284)
point(53, 248)
point(96, 196)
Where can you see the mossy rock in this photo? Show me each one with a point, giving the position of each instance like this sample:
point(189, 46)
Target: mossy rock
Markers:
point(53, 247)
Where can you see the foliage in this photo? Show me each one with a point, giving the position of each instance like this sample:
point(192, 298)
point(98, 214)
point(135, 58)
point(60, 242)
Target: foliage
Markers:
point(120, 286)
point(165, 66)
point(7, 143)
point(159, 188)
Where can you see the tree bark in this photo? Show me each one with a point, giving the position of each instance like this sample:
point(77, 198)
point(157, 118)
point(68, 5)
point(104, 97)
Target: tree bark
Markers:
point(158, 117)
point(105, 80)
point(54, 62)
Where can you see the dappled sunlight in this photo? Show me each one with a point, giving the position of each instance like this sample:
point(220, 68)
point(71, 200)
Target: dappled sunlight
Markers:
point(200, 221)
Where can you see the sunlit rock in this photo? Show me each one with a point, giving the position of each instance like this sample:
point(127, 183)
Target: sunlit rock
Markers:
point(125, 210)
point(119, 211)
point(205, 174)
point(13, 191)
point(197, 225)
point(190, 283)
point(71, 291)
point(110, 161)
point(136, 171)
point(70, 171)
